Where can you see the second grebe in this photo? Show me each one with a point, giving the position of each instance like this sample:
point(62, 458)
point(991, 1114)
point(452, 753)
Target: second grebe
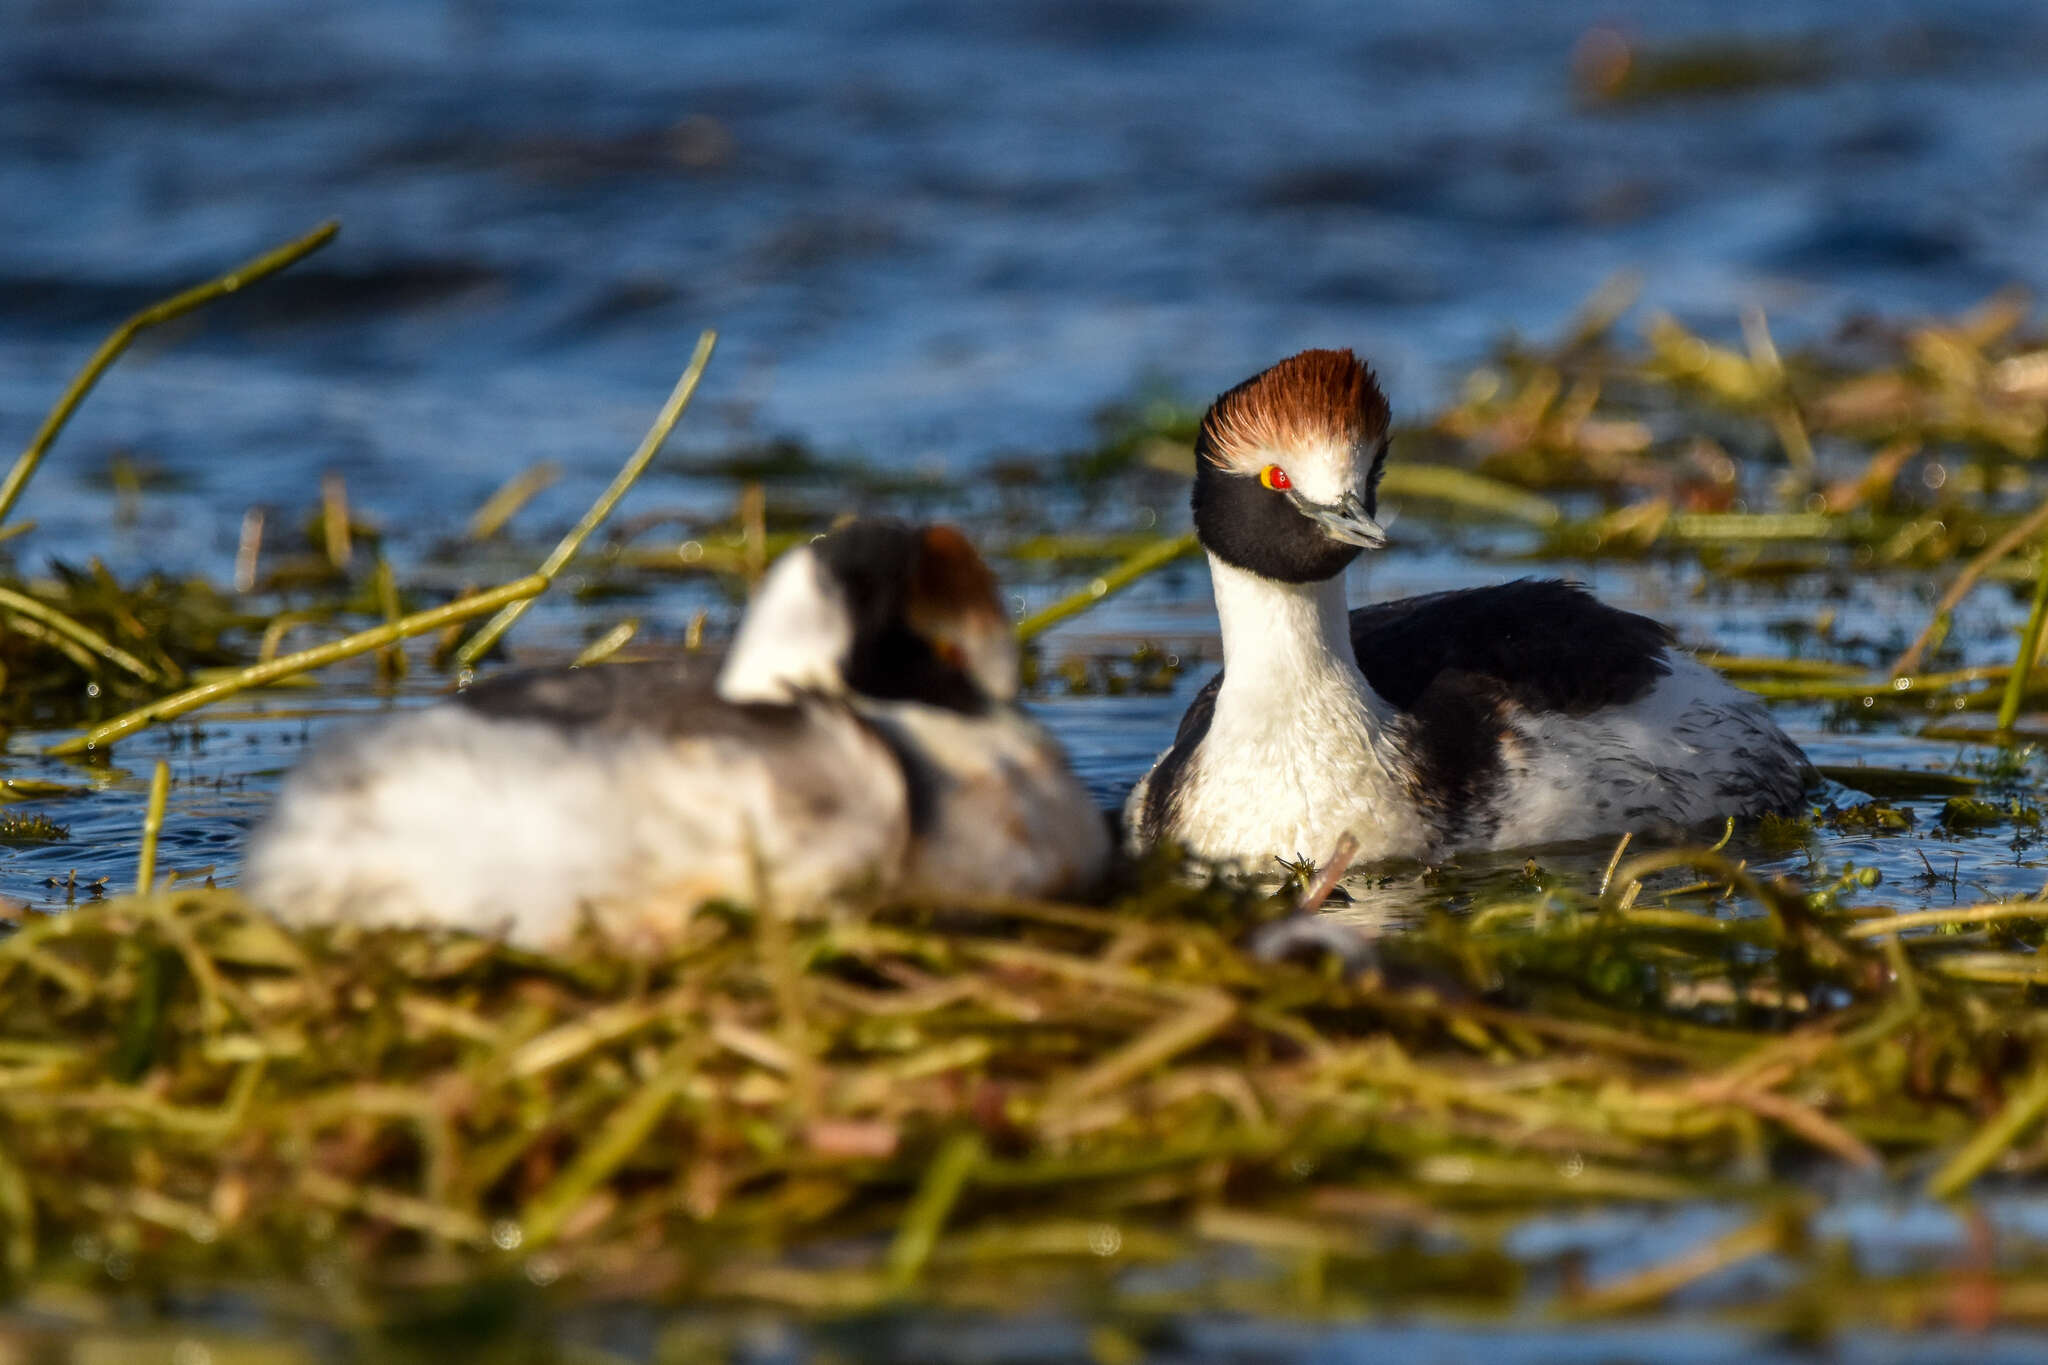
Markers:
point(860, 733)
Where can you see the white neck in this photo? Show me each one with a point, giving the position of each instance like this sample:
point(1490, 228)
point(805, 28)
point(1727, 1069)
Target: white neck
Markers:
point(1281, 637)
point(1300, 749)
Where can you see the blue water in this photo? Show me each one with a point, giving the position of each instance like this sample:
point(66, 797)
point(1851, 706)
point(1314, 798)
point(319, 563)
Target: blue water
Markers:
point(928, 232)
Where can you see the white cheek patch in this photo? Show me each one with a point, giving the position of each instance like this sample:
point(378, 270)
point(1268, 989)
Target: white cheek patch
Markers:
point(1323, 472)
point(991, 650)
point(796, 631)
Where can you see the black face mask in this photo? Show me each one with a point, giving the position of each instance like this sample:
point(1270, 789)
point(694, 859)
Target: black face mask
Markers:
point(1259, 529)
point(874, 562)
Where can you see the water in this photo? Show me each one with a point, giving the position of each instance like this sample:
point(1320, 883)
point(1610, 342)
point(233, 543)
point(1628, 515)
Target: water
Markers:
point(1702, 1325)
point(928, 233)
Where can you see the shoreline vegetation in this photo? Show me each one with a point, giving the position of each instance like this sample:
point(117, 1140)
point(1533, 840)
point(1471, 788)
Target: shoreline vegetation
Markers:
point(1007, 1105)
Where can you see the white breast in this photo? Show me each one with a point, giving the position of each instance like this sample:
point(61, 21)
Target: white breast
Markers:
point(1286, 773)
point(1299, 750)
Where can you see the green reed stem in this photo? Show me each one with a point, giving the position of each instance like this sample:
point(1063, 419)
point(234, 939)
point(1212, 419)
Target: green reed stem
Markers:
point(608, 644)
point(944, 1179)
point(1474, 492)
point(1991, 1141)
point(621, 1135)
point(17, 1219)
point(636, 464)
point(512, 495)
point(1903, 688)
point(1952, 598)
point(152, 825)
point(1751, 666)
point(257, 675)
point(2030, 644)
point(1156, 556)
point(269, 263)
point(1926, 919)
point(391, 663)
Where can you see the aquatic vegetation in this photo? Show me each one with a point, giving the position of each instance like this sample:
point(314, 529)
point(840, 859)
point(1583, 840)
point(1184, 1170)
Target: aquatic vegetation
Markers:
point(998, 1105)
point(26, 829)
point(1612, 68)
point(1870, 817)
point(1969, 812)
point(931, 1090)
point(67, 643)
point(79, 644)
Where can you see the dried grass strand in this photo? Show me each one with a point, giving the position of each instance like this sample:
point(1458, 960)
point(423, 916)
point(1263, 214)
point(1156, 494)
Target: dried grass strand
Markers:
point(164, 310)
point(320, 656)
point(636, 464)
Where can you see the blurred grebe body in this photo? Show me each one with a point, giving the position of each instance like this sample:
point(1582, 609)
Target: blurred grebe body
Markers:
point(861, 733)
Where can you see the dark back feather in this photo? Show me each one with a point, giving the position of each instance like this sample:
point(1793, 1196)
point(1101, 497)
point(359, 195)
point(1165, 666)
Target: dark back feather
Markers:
point(1547, 644)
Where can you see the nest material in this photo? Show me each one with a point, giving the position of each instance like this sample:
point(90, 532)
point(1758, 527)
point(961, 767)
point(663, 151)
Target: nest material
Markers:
point(831, 1111)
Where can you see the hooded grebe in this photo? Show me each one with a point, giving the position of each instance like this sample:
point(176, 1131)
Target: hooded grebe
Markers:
point(1495, 717)
point(859, 733)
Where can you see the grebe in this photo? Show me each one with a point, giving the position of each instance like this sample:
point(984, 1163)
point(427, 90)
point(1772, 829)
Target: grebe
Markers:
point(859, 733)
point(1485, 718)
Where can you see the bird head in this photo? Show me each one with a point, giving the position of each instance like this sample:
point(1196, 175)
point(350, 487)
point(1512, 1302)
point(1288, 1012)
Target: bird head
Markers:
point(882, 609)
point(1288, 466)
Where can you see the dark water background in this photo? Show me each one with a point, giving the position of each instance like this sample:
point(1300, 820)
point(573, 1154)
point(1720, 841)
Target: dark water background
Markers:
point(928, 232)
point(933, 236)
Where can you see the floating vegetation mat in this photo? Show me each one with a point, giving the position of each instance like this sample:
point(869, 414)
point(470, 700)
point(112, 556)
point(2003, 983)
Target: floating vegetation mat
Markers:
point(1005, 1105)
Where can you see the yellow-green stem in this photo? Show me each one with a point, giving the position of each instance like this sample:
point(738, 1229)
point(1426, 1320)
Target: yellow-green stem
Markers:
point(1989, 556)
point(1152, 557)
point(512, 495)
point(1926, 919)
point(269, 263)
point(152, 825)
point(1992, 1140)
point(608, 644)
point(612, 1145)
point(256, 675)
point(2030, 642)
point(22, 603)
point(480, 644)
point(922, 1222)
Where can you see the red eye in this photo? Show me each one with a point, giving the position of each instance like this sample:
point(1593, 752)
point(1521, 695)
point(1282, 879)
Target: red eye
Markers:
point(1273, 476)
